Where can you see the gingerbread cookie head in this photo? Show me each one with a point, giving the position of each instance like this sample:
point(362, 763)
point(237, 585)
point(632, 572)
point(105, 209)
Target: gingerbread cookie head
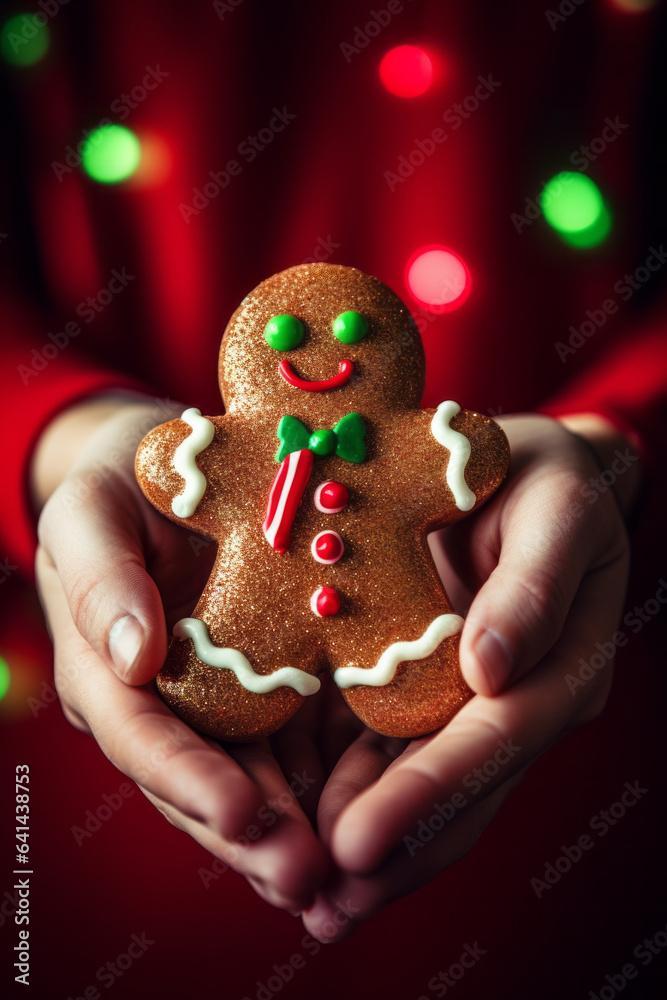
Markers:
point(320, 485)
point(329, 334)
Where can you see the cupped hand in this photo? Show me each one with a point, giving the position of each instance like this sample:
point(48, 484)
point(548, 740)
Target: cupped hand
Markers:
point(548, 569)
point(543, 568)
point(114, 576)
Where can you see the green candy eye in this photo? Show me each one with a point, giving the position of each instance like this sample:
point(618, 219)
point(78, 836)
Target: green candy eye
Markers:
point(283, 333)
point(350, 327)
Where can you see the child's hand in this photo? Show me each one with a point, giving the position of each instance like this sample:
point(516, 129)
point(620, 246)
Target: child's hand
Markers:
point(106, 565)
point(554, 566)
point(550, 555)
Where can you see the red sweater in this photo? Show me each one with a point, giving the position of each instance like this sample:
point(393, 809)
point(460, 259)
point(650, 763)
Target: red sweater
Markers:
point(136, 280)
point(163, 270)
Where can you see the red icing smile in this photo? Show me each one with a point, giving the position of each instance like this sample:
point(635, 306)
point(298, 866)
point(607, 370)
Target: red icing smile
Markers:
point(344, 372)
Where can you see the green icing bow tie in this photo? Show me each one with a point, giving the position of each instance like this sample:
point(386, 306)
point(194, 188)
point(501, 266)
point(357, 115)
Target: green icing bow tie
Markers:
point(346, 440)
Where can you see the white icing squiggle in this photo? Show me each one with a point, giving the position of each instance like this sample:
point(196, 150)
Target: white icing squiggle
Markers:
point(185, 504)
point(459, 452)
point(384, 670)
point(232, 659)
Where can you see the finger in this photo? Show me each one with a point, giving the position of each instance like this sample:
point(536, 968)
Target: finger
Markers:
point(548, 543)
point(256, 861)
point(198, 785)
point(363, 763)
point(299, 760)
point(309, 747)
point(350, 899)
point(488, 741)
point(96, 548)
point(339, 726)
point(288, 862)
point(74, 718)
point(141, 736)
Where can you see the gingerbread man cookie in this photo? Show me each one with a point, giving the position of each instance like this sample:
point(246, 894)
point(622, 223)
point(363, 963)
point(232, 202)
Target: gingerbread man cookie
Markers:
point(320, 484)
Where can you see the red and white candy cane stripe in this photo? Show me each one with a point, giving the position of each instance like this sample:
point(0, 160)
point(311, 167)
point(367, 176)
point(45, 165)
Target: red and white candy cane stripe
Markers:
point(285, 496)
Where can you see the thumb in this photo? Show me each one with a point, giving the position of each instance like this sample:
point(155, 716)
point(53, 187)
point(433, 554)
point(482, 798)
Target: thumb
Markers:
point(519, 612)
point(93, 538)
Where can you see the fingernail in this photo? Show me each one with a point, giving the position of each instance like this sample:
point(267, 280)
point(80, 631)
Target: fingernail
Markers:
point(295, 913)
point(495, 658)
point(126, 639)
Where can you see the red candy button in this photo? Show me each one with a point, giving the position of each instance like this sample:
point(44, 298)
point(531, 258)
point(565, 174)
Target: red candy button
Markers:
point(325, 602)
point(331, 497)
point(327, 547)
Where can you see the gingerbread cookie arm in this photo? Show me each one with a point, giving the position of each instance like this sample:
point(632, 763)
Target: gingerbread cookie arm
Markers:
point(461, 459)
point(176, 465)
point(478, 456)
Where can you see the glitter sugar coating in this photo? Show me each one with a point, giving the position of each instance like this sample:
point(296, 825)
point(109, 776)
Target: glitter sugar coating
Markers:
point(257, 600)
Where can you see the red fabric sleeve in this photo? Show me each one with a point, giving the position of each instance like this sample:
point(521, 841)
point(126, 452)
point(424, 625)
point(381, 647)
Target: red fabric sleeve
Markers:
point(627, 387)
point(39, 377)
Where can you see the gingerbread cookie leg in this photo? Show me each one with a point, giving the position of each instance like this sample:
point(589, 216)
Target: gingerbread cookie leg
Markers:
point(385, 669)
point(231, 671)
point(415, 687)
point(397, 645)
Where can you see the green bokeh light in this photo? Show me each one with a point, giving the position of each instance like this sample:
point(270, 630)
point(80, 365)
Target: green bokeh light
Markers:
point(593, 235)
point(5, 678)
point(111, 154)
point(25, 39)
point(571, 202)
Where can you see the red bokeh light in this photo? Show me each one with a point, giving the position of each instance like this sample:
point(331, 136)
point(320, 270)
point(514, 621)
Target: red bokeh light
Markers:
point(406, 71)
point(438, 278)
point(156, 161)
